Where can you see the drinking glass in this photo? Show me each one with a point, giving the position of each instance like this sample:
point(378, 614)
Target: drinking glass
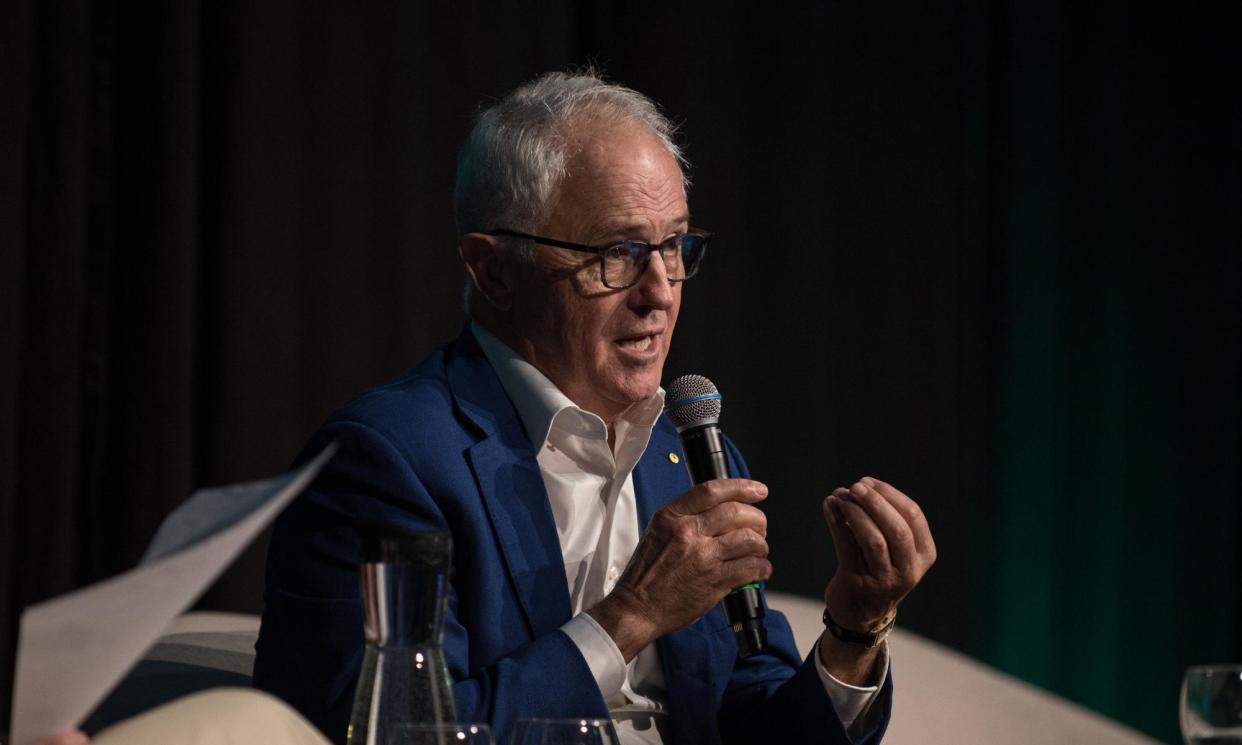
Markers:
point(1211, 705)
point(439, 734)
point(564, 732)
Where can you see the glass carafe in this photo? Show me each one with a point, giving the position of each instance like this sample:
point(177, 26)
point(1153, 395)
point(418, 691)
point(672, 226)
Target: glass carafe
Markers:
point(404, 678)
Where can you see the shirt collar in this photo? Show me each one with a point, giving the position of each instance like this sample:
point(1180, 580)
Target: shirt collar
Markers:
point(538, 401)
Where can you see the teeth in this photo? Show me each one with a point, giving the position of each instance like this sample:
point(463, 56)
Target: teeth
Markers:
point(639, 345)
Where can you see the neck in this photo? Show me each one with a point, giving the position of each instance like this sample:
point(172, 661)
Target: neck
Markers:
point(507, 334)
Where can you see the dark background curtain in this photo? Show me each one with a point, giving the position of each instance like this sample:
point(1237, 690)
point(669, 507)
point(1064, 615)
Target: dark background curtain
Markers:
point(987, 251)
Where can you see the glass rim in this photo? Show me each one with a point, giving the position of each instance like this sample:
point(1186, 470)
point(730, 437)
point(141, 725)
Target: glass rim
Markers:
point(1216, 667)
point(446, 726)
point(566, 719)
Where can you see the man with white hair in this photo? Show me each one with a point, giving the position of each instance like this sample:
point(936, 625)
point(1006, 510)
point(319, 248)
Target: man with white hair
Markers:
point(589, 570)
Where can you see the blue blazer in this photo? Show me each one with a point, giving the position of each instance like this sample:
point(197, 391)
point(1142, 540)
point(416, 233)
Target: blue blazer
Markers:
point(442, 448)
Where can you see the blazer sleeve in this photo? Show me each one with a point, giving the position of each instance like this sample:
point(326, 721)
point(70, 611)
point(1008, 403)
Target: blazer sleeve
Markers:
point(310, 644)
point(779, 697)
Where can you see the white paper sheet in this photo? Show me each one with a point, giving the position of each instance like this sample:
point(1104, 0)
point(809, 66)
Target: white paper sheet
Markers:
point(72, 650)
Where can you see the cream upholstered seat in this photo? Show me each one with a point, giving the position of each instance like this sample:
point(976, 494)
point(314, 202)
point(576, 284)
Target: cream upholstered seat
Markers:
point(198, 651)
point(943, 697)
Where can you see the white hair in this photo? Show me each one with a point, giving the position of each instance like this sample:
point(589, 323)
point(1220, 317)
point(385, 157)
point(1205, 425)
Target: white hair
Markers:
point(510, 166)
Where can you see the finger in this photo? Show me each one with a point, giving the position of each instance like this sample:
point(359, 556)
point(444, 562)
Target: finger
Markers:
point(911, 511)
point(897, 534)
point(717, 491)
point(730, 516)
point(869, 537)
point(849, 555)
point(745, 570)
point(738, 543)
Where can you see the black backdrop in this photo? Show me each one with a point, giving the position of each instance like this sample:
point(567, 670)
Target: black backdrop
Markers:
point(986, 251)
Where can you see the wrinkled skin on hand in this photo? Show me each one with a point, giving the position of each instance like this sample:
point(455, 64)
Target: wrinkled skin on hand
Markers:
point(695, 550)
point(884, 546)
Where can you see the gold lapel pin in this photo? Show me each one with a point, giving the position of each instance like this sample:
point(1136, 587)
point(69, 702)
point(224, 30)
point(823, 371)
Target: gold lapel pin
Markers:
point(673, 457)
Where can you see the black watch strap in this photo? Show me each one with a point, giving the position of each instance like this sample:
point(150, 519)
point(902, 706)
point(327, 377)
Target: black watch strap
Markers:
point(864, 638)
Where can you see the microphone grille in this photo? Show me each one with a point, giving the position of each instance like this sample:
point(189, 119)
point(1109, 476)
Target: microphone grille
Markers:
point(692, 400)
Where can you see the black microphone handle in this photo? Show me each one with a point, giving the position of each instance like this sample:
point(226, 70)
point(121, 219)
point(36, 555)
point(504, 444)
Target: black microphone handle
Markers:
point(705, 453)
point(705, 460)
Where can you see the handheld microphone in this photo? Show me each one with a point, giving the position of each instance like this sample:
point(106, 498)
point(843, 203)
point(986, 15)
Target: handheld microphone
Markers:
point(695, 411)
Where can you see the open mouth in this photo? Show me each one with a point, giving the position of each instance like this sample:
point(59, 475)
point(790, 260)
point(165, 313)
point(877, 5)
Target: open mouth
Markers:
point(637, 344)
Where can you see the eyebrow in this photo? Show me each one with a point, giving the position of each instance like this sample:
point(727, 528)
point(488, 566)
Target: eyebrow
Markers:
point(629, 229)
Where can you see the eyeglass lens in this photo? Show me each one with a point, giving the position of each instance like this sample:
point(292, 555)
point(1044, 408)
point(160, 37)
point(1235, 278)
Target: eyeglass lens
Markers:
point(624, 262)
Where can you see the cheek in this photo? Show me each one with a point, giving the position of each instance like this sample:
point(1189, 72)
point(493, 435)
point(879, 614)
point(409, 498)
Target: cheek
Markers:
point(586, 331)
point(604, 320)
point(671, 316)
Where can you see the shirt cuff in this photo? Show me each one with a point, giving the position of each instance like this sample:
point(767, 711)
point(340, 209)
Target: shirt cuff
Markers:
point(600, 652)
point(851, 702)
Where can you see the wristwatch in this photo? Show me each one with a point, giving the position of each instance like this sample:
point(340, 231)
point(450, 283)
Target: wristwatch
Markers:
point(868, 639)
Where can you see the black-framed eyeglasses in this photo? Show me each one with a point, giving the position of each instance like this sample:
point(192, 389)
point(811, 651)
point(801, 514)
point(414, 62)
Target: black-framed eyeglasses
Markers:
point(621, 264)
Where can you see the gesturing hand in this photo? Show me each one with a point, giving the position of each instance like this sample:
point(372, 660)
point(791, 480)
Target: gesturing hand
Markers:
point(884, 547)
point(695, 549)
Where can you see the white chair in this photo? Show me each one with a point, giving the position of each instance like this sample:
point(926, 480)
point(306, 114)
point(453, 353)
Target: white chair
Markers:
point(943, 697)
point(196, 652)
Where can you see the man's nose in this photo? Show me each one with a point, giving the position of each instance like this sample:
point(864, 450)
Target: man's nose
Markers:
point(653, 288)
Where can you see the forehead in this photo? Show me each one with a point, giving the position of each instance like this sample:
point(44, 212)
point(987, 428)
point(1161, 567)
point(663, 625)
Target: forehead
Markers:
point(619, 176)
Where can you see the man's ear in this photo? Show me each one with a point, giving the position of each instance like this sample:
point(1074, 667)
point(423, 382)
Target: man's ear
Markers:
point(487, 264)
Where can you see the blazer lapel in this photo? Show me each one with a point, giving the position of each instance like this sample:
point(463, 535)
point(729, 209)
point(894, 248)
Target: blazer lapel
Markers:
point(685, 655)
point(516, 500)
point(657, 479)
point(514, 495)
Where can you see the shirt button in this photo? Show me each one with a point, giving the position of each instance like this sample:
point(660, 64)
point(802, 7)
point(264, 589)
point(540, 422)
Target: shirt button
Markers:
point(613, 573)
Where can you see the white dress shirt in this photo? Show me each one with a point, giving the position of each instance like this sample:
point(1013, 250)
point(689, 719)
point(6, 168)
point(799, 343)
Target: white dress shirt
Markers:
point(591, 489)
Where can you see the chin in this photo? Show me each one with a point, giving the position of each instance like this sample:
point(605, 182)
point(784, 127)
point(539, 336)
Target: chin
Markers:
point(637, 388)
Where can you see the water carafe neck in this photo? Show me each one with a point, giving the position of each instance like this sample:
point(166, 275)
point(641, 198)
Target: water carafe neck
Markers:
point(403, 602)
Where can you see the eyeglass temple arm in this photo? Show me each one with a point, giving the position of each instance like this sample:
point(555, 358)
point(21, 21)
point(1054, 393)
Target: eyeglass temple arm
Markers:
point(547, 241)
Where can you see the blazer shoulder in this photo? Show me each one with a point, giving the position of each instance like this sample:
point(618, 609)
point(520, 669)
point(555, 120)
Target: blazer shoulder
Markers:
point(411, 412)
point(422, 391)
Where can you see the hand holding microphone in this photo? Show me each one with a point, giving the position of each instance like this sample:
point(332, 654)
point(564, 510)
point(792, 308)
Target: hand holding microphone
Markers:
point(694, 552)
point(694, 406)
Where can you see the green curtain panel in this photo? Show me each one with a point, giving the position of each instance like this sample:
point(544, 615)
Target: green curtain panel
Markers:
point(1114, 554)
point(988, 251)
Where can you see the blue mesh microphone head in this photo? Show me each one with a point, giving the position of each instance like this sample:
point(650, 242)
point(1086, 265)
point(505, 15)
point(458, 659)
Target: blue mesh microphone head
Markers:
point(692, 401)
